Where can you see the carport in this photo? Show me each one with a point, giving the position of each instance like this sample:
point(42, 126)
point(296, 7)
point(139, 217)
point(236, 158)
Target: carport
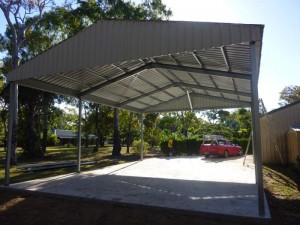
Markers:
point(152, 66)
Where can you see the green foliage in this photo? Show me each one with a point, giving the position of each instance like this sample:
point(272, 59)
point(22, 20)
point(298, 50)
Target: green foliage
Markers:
point(136, 147)
point(217, 129)
point(52, 140)
point(243, 142)
point(289, 95)
point(182, 146)
point(191, 146)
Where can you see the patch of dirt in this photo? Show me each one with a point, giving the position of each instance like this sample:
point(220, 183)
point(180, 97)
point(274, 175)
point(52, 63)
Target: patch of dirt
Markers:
point(282, 188)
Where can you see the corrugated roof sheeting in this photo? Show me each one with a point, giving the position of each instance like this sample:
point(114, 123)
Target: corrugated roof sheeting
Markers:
point(131, 40)
point(223, 82)
point(199, 103)
point(154, 78)
point(146, 66)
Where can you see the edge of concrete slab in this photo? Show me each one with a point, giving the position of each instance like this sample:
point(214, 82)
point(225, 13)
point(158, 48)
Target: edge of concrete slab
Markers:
point(206, 215)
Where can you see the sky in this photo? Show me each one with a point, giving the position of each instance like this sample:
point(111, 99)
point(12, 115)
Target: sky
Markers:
point(280, 51)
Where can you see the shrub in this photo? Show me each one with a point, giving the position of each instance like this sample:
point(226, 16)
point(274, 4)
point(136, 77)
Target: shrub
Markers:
point(136, 147)
point(52, 140)
point(182, 146)
point(191, 146)
point(243, 142)
point(69, 145)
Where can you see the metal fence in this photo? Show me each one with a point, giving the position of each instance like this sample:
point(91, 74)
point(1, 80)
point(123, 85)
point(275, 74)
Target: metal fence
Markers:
point(274, 128)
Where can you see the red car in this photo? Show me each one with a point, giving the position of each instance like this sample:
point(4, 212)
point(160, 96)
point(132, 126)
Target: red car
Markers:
point(217, 145)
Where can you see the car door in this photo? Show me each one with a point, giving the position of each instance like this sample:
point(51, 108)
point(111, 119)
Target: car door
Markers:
point(214, 148)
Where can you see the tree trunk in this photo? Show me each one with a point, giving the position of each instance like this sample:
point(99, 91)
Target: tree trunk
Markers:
point(32, 144)
point(14, 143)
point(86, 130)
point(117, 143)
point(45, 132)
point(129, 132)
point(97, 128)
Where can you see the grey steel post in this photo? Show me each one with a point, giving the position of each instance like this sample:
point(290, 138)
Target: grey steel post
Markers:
point(12, 106)
point(142, 137)
point(79, 135)
point(256, 131)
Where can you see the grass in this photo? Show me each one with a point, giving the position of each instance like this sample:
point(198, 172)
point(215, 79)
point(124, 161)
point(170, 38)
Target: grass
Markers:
point(56, 154)
point(282, 188)
point(284, 183)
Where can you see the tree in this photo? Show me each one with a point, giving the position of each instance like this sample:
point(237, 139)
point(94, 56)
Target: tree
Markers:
point(129, 136)
point(152, 132)
point(117, 143)
point(211, 115)
point(289, 95)
point(101, 119)
point(17, 14)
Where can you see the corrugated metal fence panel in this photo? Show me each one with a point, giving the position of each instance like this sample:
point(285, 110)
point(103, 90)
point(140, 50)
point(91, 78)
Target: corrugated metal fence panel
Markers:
point(293, 145)
point(107, 42)
point(274, 128)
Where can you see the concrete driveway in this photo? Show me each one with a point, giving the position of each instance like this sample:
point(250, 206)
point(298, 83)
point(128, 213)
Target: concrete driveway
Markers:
point(211, 185)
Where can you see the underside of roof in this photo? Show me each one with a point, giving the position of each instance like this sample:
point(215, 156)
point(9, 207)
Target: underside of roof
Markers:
point(150, 66)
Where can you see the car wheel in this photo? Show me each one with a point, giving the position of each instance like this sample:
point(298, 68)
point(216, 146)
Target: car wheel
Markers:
point(206, 156)
point(226, 154)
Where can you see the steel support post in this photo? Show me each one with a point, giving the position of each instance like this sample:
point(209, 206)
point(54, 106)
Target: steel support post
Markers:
point(79, 136)
point(256, 131)
point(12, 111)
point(142, 137)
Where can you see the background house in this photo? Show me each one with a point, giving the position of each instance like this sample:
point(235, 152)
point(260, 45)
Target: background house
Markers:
point(70, 137)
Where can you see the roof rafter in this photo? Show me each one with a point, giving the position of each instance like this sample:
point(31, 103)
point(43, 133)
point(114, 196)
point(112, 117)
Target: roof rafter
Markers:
point(43, 86)
point(203, 71)
point(221, 98)
point(198, 59)
point(145, 94)
point(220, 90)
point(225, 57)
point(116, 79)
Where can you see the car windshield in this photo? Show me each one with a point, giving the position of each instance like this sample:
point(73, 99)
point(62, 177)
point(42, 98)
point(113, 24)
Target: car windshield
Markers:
point(221, 142)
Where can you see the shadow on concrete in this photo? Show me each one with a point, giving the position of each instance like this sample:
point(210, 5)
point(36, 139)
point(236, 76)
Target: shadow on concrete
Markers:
point(198, 196)
point(218, 159)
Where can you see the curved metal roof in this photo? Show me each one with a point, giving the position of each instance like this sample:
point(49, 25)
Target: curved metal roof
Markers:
point(150, 66)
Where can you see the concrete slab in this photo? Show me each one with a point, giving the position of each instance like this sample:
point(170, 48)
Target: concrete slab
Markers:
point(213, 185)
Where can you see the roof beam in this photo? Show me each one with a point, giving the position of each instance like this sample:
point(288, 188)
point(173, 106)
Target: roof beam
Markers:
point(221, 98)
point(198, 59)
point(195, 86)
point(240, 103)
point(189, 98)
point(103, 101)
point(145, 94)
point(140, 92)
point(225, 57)
point(166, 102)
point(116, 79)
point(43, 86)
point(194, 79)
point(157, 87)
point(171, 81)
point(203, 71)
point(72, 80)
